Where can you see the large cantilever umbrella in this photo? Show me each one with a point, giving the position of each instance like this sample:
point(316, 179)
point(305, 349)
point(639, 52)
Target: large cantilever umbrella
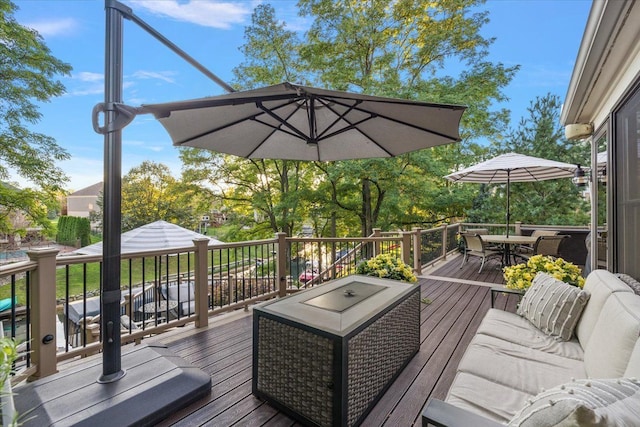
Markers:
point(513, 167)
point(288, 121)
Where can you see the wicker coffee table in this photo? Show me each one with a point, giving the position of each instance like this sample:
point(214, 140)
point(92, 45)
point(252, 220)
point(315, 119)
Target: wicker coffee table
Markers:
point(326, 355)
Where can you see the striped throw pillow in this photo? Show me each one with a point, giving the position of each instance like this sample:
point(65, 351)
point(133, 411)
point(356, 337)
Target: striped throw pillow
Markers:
point(553, 306)
point(602, 403)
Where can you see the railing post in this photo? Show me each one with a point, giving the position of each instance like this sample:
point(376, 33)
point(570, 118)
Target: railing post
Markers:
point(417, 250)
point(518, 225)
point(444, 242)
point(406, 247)
point(377, 232)
point(202, 283)
point(43, 311)
point(281, 266)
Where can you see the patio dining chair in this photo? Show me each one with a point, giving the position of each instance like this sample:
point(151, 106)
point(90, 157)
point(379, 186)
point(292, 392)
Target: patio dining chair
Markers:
point(545, 245)
point(475, 246)
point(528, 249)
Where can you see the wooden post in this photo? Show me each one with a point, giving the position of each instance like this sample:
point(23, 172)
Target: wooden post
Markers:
point(445, 242)
point(518, 225)
point(406, 247)
point(201, 283)
point(417, 250)
point(43, 312)
point(377, 232)
point(281, 265)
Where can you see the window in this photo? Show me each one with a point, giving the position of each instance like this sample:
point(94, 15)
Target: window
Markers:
point(625, 190)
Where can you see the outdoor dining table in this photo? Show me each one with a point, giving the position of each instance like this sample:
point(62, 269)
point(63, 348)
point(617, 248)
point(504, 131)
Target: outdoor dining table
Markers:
point(507, 241)
point(159, 308)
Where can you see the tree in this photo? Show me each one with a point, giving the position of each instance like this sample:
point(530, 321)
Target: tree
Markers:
point(389, 48)
point(150, 193)
point(401, 49)
point(27, 75)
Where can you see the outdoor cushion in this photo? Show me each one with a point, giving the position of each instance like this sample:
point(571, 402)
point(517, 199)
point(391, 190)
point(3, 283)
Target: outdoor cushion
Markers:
point(553, 306)
point(614, 336)
point(614, 402)
point(186, 289)
point(600, 284)
point(485, 397)
point(518, 330)
point(516, 366)
point(633, 367)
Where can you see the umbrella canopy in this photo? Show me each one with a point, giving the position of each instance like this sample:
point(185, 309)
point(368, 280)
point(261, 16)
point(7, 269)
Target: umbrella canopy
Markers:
point(602, 160)
point(513, 167)
point(288, 121)
point(158, 235)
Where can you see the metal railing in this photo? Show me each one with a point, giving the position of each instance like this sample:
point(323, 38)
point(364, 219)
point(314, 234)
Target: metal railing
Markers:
point(164, 289)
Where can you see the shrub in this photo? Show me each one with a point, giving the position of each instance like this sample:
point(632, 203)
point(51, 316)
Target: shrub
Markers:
point(386, 266)
point(520, 276)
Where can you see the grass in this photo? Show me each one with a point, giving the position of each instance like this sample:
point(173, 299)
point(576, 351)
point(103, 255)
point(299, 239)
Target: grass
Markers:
point(81, 279)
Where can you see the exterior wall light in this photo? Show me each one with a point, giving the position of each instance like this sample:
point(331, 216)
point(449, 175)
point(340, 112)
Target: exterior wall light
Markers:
point(579, 178)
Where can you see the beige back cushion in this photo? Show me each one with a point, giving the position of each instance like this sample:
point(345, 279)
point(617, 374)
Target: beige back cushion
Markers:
point(633, 368)
point(614, 337)
point(600, 284)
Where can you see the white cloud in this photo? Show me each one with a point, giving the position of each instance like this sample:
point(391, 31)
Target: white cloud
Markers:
point(87, 76)
point(54, 28)
point(207, 13)
point(160, 75)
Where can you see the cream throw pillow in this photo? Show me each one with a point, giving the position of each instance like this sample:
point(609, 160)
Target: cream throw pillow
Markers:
point(611, 402)
point(553, 306)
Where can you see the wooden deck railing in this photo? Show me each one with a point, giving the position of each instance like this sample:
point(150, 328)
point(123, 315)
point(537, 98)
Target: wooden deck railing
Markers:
point(58, 297)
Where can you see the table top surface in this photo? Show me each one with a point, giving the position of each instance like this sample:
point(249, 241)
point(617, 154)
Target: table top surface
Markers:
point(317, 306)
point(502, 238)
point(159, 306)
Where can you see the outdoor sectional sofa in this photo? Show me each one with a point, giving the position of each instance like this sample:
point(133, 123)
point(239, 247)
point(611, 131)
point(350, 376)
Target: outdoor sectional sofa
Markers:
point(517, 373)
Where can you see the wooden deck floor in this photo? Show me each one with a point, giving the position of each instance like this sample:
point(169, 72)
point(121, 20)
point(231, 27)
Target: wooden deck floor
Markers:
point(448, 323)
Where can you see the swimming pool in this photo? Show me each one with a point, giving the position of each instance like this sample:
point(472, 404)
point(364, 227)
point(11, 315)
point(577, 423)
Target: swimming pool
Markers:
point(13, 255)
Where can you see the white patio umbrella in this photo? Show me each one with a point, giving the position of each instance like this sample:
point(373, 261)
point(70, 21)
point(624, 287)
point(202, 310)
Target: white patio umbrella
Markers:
point(513, 167)
point(158, 235)
point(602, 160)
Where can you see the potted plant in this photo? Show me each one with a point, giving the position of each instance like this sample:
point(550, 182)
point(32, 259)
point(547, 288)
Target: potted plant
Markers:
point(8, 355)
point(520, 276)
point(387, 266)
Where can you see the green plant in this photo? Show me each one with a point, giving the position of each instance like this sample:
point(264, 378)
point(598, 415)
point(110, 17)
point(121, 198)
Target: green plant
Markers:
point(386, 266)
point(520, 276)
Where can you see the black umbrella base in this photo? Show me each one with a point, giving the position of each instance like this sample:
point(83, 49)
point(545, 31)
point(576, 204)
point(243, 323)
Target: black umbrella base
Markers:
point(156, 384)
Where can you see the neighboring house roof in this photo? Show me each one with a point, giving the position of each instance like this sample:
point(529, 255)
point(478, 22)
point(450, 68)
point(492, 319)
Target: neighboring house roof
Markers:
point(92, 190)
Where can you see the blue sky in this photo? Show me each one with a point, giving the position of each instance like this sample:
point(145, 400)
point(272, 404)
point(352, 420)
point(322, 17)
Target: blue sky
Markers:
point(542, 36)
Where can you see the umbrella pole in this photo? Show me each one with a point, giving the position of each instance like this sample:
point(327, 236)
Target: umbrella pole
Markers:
point(508, 198)
point(111, 295)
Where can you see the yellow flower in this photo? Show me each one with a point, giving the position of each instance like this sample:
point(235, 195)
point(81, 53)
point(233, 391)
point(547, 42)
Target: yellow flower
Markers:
point(520, 276)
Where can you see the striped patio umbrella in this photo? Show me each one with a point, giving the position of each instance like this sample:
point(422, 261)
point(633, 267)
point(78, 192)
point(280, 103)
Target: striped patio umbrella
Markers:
point(513, 167)
point(158, 235)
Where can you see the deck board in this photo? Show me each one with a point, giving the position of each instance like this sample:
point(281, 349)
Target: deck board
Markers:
point(448, 323)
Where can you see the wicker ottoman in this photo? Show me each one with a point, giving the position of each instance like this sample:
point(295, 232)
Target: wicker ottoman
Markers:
point(326, 355)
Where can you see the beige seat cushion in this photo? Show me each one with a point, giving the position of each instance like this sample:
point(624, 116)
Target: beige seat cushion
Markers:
point(479, 395)
point(553, 306)
point(516, 366)
point(518, 330)
point(603, 403)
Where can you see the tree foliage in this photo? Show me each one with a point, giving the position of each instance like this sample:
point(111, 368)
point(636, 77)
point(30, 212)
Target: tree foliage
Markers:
point(27, 76)
point(390, 48)
point(72, 229)
point(150, 193)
